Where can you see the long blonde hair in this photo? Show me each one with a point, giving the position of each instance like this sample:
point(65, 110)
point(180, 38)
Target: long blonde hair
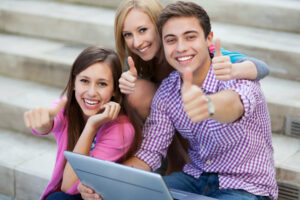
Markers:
point(152, 8)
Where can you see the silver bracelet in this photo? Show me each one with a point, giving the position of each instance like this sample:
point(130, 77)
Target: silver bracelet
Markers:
point(211, 107)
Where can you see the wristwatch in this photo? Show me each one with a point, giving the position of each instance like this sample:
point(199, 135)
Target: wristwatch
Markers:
point(211, 108)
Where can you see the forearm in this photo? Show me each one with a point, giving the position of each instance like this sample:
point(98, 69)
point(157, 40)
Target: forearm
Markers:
point(228, 106)
point(250, 68)
point(244, 70)
point(83, 146)
point(137, 163)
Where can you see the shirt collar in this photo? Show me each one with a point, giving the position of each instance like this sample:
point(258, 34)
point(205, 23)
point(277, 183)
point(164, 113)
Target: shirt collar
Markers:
point(210, 84)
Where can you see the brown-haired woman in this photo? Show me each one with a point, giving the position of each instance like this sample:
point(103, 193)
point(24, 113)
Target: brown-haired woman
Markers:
point(91, 119)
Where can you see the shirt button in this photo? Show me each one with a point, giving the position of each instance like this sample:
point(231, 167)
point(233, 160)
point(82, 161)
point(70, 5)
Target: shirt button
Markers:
point(208, 162)
point(202, 147)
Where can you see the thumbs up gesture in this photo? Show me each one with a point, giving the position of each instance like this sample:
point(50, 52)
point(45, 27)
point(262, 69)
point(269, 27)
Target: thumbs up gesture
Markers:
point(194, 101)
point(128, 78)
point(222, 66)
point(41, 119)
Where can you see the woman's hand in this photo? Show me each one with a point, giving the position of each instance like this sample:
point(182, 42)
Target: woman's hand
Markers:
point(222, 66)
point(87, 193)
point(111, 112)
point(127, 80)
point(41, 119)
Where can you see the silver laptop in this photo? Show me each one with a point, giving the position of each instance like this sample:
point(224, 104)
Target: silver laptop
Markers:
point(115, 181)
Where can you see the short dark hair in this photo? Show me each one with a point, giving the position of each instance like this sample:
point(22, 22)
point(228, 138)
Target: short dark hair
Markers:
point(184, 9)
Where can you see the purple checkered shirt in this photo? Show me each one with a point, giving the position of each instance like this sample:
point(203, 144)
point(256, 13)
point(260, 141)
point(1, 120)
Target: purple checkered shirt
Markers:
point(240, 152)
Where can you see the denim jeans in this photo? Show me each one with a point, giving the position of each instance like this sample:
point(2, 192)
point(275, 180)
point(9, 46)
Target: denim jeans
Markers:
point(207, 184)
point(63, 196)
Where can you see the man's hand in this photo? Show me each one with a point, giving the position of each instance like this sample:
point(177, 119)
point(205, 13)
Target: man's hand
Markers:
point(222, 66)
point(194, 101)
point(87, 193)
point(127, 80)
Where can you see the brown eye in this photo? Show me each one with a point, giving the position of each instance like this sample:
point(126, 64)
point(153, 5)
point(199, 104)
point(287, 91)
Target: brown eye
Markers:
point(84, 81)
point(102, 84)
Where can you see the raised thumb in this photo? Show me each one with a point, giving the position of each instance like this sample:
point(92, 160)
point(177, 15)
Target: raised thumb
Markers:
point(187, 79)
point(218, 47)
point(132, 66)
point(54, 110)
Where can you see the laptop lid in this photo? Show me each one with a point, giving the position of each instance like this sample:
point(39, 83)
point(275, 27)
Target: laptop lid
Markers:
point(115, 181)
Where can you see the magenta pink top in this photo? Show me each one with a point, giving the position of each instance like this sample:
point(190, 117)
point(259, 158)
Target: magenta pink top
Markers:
point(113, 140)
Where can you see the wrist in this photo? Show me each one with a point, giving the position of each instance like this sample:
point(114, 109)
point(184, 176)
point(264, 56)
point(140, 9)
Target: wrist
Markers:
point(235, 70)
point(91, 127)
point(211, 107)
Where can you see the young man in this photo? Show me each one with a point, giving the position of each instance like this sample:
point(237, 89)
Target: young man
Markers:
point(226, 122)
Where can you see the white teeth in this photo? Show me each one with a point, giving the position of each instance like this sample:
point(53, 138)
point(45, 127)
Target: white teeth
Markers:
point(144, 49)
point(91, 102)
point(184, 58)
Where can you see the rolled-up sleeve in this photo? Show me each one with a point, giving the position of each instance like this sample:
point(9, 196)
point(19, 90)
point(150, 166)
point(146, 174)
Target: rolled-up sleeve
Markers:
point(249, 92)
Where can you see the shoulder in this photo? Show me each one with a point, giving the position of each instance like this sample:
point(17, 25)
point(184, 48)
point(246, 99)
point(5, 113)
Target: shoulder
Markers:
point(169, 85)
point(60, 120)
point(239, 84)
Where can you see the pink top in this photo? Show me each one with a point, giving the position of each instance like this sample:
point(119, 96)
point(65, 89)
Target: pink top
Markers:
point(113, 140)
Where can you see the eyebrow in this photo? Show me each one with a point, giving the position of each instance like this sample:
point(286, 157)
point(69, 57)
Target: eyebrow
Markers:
point(187, 32)
point(142, 26)
point(100, 79)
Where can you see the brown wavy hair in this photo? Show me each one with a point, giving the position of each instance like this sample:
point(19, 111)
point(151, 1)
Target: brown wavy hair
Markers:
point(73, 112)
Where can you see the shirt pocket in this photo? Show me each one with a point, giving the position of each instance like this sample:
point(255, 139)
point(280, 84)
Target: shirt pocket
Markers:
point(226, 136)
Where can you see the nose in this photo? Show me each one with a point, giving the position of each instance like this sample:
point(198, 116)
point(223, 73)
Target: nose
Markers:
point(181, 46)
point(137, 41)
point(92, 90)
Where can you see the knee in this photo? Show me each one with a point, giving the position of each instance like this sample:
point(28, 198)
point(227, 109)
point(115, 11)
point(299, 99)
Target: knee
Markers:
point(56, 196)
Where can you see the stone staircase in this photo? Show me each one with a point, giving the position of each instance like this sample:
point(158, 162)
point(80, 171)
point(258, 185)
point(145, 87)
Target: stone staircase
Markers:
point(39, 40)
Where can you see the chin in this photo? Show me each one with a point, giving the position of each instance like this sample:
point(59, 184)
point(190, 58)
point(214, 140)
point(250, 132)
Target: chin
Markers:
point(147, 57)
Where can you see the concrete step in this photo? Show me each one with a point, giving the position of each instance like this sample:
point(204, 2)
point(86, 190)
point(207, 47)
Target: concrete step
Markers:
point(281, 15)
point(43, 61)
point(287, 158)
point(280, 50)
point(19, 97)
point(103, 3)
point(94, 25)
point(283, 98)
point(60, 21)
point(26, 165)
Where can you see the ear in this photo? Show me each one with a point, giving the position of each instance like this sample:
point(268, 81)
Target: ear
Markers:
point(210, 38)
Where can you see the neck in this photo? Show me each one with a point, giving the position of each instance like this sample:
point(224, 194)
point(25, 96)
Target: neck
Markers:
point(200, 74)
